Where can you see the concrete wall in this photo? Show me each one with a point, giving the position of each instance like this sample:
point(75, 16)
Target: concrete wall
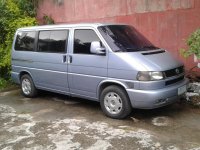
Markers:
point(166, 23)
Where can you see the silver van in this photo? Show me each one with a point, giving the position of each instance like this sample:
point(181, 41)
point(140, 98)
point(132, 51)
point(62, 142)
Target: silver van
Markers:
point(110, 63)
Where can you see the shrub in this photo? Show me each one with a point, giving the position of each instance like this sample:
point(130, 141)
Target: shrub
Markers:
point(13, 15)
point(193, 43)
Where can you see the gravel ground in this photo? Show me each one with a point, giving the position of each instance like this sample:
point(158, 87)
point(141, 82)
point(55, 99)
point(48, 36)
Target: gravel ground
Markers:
point(53, 121)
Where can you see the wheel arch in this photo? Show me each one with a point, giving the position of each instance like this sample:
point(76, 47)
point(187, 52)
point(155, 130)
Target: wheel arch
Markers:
point(23, 72)
point(107, 83)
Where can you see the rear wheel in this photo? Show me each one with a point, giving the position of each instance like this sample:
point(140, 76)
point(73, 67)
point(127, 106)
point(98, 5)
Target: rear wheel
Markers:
point(115, 102)
point(27, 86)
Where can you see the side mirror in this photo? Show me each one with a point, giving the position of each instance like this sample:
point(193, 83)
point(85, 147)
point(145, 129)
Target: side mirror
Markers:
point(96, 48)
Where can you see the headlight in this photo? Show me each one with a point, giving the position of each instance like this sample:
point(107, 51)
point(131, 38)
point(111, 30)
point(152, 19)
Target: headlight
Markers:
point(149, 75)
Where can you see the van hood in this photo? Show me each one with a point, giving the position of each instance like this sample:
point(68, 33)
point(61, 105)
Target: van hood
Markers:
point(157, 60)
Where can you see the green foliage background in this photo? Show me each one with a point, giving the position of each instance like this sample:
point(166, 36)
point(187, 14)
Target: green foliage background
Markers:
point(193, 43)
point(13, 15)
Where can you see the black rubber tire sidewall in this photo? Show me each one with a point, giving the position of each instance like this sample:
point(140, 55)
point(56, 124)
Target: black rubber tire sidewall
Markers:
point(33, 89)
point(126, 106)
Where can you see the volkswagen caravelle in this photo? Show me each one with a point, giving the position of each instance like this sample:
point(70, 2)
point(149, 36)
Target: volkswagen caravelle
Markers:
point(109, 63)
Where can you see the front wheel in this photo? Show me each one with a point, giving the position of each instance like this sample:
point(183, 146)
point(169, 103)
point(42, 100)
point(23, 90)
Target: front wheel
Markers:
point(115, 102)
point(27, 86)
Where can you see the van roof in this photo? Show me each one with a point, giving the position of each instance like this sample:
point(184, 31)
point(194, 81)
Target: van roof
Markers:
point(68, 25)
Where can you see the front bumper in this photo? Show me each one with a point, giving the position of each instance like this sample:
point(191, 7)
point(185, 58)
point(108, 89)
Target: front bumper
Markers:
point(149, 99)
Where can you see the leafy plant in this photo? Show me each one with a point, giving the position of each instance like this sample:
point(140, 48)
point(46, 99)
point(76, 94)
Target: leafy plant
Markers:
point(13, 15)
point(4, 83)
point(193, 43)
point(48, 19)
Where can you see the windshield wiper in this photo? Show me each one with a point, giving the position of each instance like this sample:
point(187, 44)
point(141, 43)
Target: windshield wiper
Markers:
point(128, 50)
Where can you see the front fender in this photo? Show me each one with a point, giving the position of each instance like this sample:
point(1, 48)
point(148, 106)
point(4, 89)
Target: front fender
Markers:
point(110, 82)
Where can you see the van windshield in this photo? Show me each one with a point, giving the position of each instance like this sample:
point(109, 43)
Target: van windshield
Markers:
point(124, 38)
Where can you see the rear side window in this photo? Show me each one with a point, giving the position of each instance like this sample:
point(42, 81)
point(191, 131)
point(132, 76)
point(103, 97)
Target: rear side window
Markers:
point(83, 39)
point(25, 41)
point(52, 41)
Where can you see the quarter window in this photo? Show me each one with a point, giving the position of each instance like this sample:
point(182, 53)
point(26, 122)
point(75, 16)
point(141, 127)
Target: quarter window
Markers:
point(52, 41)
point(83, 39)
point(25, 41)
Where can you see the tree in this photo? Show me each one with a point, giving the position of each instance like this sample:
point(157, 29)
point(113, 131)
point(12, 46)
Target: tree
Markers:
point(13, 15)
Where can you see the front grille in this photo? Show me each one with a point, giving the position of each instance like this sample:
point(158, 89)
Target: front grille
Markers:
point(174, 80)
point(174, 72)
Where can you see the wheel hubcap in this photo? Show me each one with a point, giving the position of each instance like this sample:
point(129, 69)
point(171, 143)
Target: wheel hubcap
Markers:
point(26, 86)
point(113, 103)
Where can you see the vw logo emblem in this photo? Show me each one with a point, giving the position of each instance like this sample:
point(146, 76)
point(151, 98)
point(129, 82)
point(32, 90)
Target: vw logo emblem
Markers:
point(177, 71)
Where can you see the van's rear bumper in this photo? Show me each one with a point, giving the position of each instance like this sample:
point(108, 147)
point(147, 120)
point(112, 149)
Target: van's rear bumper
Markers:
point(149, 99)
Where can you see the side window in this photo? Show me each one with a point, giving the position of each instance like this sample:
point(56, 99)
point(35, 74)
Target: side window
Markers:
point(52, 41)
point(58, 41)
point(83, 39)
point(43, 41)
point(25, 41)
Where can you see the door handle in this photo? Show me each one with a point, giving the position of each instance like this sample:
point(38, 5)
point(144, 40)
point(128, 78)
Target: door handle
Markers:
point(69, 59)
point(64, 59)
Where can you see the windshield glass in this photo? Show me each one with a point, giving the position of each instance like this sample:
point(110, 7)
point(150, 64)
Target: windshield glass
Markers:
point(123, 38)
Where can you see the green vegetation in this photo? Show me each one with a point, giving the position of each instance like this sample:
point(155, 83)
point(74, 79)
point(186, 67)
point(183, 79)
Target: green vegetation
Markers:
point(13, 15)
point(48, 20)
point(5, 83)
point(193, 43)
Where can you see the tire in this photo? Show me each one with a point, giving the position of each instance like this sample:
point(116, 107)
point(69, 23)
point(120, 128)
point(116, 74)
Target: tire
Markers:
point(27, 86)
point(115, 102)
